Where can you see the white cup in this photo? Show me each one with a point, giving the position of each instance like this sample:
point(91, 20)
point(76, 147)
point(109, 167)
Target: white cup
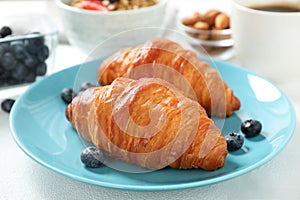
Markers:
point(267, 42)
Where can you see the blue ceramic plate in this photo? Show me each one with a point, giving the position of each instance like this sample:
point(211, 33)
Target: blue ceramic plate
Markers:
point(41, 130)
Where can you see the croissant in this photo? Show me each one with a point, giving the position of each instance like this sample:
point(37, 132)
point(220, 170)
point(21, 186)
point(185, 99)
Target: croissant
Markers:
point(148, 123)
point(159, 58)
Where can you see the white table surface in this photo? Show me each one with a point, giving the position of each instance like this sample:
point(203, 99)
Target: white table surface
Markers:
point(22, 178)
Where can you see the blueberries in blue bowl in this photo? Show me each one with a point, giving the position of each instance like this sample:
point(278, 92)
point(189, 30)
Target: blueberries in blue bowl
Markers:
point(22, 60)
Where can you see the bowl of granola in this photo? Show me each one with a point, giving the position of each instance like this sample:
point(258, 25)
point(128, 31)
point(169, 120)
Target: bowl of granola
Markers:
point(87, 23)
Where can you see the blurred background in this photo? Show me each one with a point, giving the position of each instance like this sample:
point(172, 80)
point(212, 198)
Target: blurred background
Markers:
point(22, 177)
point(49, 8)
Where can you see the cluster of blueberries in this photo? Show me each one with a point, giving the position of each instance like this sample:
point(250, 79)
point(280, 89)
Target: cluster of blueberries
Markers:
point(250, 128)
point(22, 59)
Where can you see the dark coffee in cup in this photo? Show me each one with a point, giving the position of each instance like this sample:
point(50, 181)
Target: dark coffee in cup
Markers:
point(278, 7)
point(262, 34)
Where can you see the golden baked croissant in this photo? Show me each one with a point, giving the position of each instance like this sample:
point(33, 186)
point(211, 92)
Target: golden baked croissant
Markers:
point(149, 123)
point(159, 58)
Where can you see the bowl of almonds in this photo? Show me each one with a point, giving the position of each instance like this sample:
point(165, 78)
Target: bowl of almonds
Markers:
point(210, 32)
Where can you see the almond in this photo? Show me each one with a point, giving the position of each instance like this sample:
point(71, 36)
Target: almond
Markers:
point(201, 25)
point(189, 21)
point(210, 16)
point(222, 21)
point(203, 36)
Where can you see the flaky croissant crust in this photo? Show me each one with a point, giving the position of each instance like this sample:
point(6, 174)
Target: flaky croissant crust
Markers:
point(147, 122)
point(160, 54)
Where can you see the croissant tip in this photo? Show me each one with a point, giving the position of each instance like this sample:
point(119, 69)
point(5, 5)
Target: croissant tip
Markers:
point(237, 103)
point(68, 112)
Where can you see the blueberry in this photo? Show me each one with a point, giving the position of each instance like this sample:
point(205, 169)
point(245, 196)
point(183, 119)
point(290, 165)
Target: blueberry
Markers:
point(5, 46)
point(7, 104)
point(251, 128)
point(43, 53)
point(113, 1)
point(67, 94)
point(41, 69)
point(4, 74)
point(19, 50)
point(234, 141)
point(84, 86)
point(12, 81)
point(30, 61)
point(5, 31)
point(34, 44)
point(19, 72)
point(8, 61)
point(2, 82)
point(30, 77)
point(2, 50)
point(2, 78)
point(31, 47)
point(92, 157)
